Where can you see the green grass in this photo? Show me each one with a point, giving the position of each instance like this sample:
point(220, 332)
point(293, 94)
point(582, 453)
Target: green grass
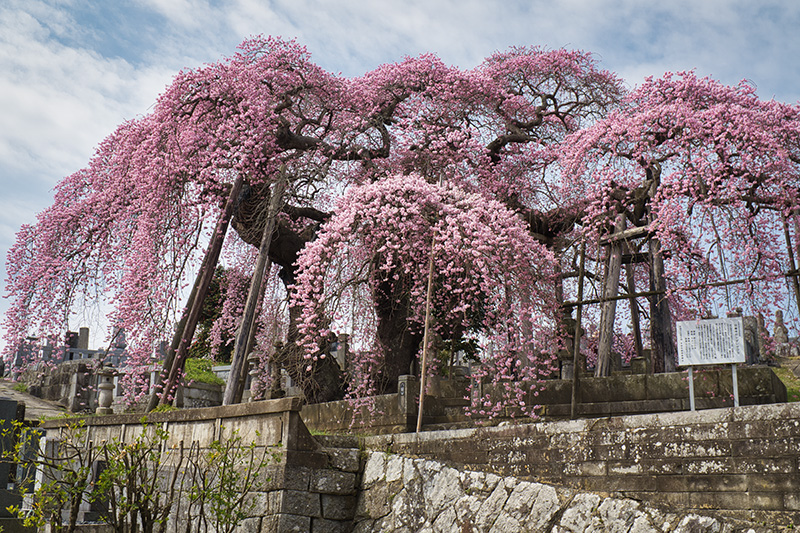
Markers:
point(199, 369)
point(162, 409)
point(791, 381)
point(20, 387)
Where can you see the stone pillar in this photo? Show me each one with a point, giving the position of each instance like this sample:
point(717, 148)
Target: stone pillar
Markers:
point(763, 335)
point(781, 335)
point(83, 339)
point(105, 395)
point(341, 351)
point(407, 393)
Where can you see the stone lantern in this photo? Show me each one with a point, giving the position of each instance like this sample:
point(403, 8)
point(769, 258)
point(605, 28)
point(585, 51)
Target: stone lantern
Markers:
point(105, 396)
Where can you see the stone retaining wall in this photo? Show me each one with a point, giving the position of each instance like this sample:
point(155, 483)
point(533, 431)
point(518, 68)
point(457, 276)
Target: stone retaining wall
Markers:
point(406, 494)
point(743, 461)
point(616, 395)
point(70, 383)
point(311, 488)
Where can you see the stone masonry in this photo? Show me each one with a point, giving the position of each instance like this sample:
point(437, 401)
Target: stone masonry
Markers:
point(743, 463)
point(403, 494)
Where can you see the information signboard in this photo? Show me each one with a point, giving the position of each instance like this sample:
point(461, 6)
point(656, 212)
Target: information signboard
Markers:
point(711, 341)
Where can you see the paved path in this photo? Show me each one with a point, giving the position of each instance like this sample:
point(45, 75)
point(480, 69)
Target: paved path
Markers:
point(35, 408)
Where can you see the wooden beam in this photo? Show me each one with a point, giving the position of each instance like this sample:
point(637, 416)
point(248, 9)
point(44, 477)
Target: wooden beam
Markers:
point(632, 233)
point(235, 385)
point(205, 276)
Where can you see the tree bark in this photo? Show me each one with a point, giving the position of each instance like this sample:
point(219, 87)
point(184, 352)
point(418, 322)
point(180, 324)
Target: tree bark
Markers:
point(576, 348)
point(609, 307)
point(399, 343)
point(661, 343)
point(325, 381)
point(662, 347)
point(635, 324)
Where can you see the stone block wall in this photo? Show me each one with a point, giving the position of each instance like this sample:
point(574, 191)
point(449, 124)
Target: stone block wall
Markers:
point(742, 461)
point(407, 494)
point(619, 394)
point(311, 488)
point(199, 395)
point(71, 383)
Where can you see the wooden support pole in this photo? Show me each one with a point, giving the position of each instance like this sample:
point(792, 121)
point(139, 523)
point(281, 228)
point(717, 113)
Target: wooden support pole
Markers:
point(205, 276)
point(169, 357)
point(678, 289)
point(635, 323)
point(630, 287)
point(425, 337)
point(576, 347)
point(792, 263)
point(235, 385)
point(663, 349)
point(662, 345)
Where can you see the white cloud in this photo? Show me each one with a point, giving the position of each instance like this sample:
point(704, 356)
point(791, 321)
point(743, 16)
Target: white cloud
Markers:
point(186, 13)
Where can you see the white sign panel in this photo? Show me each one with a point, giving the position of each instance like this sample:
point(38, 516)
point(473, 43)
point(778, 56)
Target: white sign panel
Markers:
point(711, 342)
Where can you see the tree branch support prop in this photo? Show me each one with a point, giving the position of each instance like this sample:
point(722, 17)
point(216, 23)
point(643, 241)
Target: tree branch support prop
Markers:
point(792, 263)
point(609, 305)
point(425, 337)
point(195, 307)
point(246, 332)
point(169, 357)
point(576, 347)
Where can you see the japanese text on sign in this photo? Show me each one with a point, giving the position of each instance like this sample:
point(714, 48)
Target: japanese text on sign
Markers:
point(711, 342)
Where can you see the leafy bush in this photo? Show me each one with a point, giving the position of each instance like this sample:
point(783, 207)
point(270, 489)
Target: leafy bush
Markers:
point(199, 370)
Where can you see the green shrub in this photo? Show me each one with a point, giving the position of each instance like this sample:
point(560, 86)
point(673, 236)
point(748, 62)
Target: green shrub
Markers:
point(199, 369)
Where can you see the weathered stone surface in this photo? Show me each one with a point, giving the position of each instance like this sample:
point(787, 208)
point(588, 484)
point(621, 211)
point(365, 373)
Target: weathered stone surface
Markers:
point(321, 525)
point(374, 469)
point(344, 459)
point(299, 502)
point(336, 507)
point(578, 515)
point(333, 482)
point(433, 497)
point(286, 523)
point(698, 524)
point(249, 525)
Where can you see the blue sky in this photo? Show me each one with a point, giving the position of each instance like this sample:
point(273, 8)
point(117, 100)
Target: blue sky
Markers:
point(71, 70)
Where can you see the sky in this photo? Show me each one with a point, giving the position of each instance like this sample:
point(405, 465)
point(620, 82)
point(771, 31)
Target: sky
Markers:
point(72, 70)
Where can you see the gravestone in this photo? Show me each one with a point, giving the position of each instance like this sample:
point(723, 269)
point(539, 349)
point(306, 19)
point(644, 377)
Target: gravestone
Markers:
point(781, 336)
point(10, 411)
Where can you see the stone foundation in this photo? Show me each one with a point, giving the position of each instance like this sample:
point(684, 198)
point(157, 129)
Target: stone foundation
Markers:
point(406, 494)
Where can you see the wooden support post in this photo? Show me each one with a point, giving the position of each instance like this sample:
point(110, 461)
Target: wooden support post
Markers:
point(635, 324)
point(609, 307)
point(169, 357)
point(792, 264)
point(576, 348)
point(425, 339)
point(205, 276)
point(235, 386)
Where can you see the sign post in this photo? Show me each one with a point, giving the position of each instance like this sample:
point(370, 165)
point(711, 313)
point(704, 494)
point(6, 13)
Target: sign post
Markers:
point(711, 342)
